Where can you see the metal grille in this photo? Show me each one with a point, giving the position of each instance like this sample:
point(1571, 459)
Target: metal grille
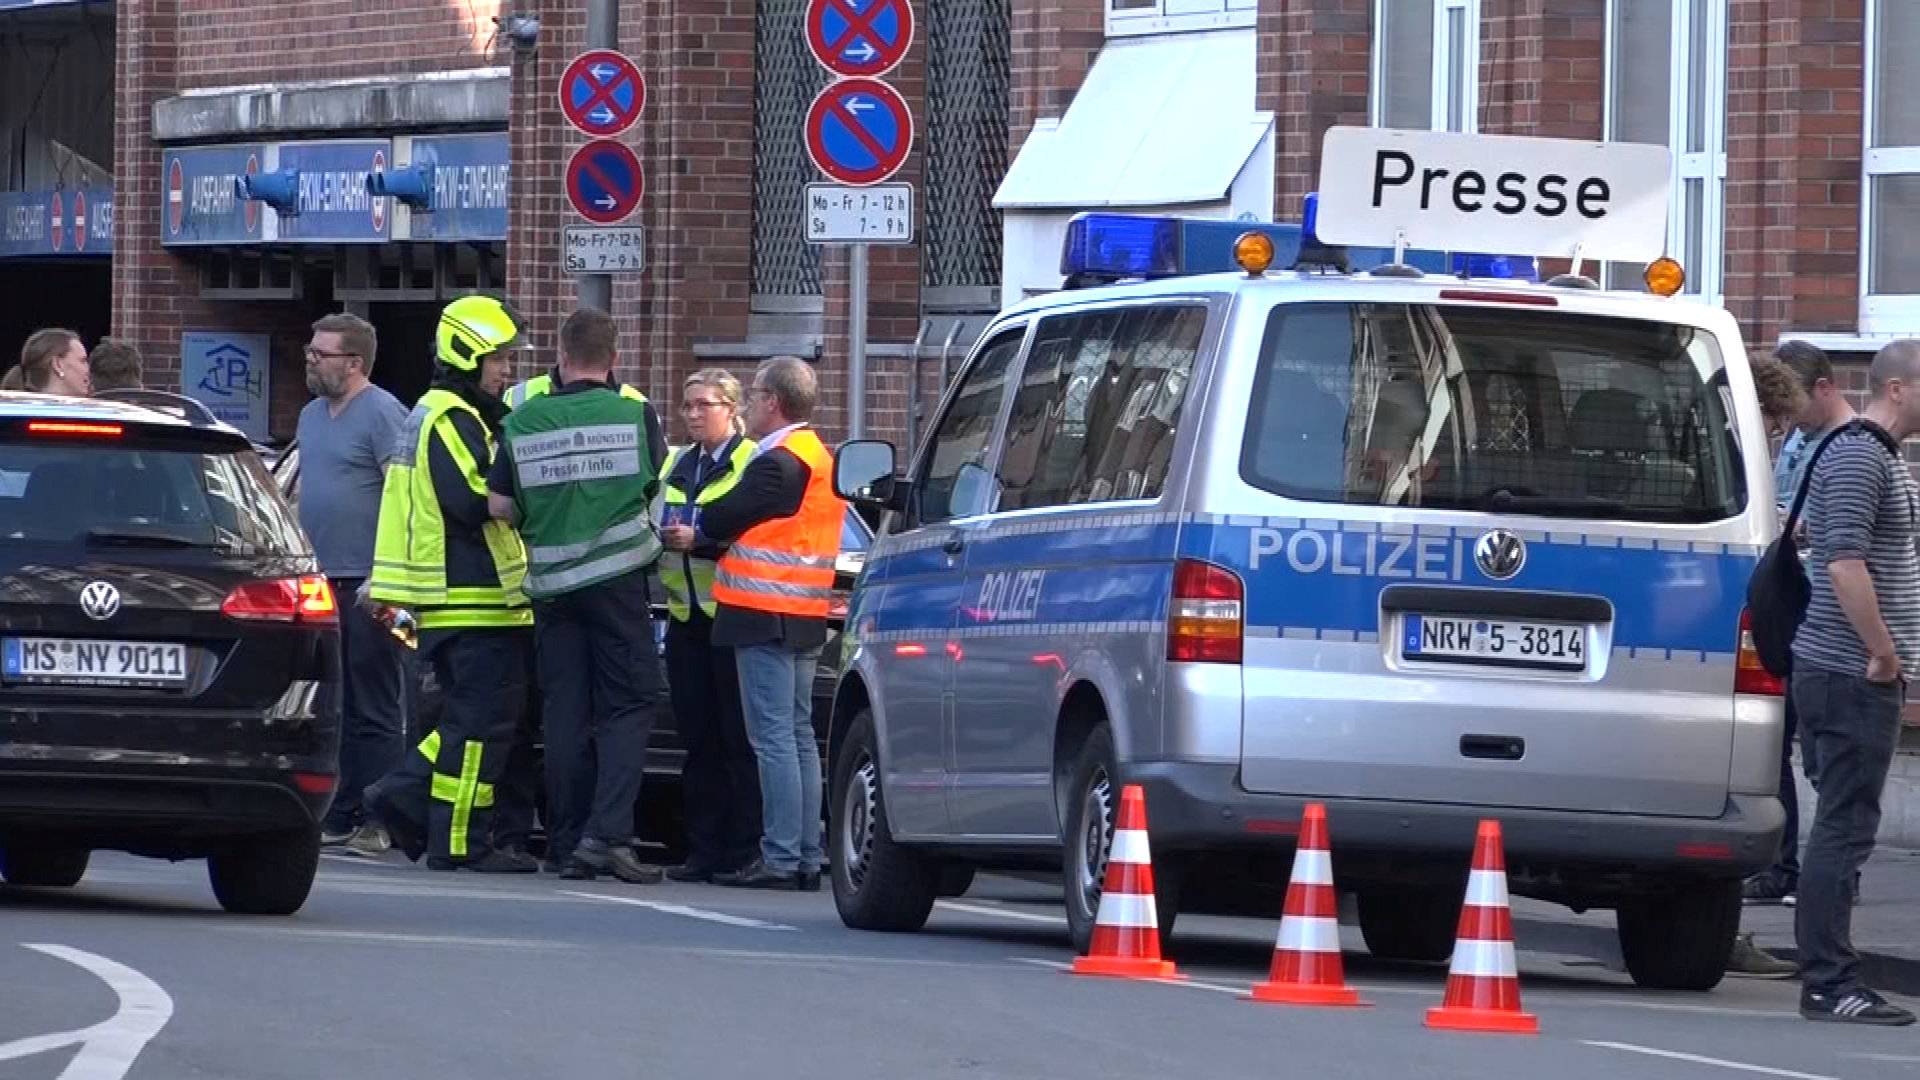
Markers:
point(785, 80)
point(967, 86)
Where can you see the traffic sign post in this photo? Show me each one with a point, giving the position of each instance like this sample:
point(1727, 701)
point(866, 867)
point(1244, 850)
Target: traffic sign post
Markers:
point(603, 182)
point(859, 37)
point(602, 93)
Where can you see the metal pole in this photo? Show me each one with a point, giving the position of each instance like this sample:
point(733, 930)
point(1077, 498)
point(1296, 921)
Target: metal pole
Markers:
point(603, 32)
point(857, 345)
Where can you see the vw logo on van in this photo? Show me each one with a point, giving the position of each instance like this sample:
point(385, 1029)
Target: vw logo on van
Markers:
point(1500, 554)
point(100, 600)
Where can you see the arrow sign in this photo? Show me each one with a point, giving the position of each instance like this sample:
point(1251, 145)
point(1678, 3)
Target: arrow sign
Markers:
point(603, 182)
point(602, 93)
point(859, 38)
point(859, 131)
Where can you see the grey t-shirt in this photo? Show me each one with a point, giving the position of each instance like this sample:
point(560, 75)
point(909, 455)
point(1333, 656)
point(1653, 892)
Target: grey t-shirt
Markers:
point(342, 466)
point(1861, 504)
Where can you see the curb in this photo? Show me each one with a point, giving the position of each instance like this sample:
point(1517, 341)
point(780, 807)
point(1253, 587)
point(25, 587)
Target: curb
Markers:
point(1882, 971)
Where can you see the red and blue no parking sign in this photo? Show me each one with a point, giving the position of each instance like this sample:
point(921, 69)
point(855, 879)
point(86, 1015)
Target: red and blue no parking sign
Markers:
point(603, 181)
point(859, 37)
point(859, 131)
point(602, 92)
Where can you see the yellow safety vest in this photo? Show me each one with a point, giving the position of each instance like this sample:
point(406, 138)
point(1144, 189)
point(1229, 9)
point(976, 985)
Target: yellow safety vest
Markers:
point(410, 546)
point(683, 574)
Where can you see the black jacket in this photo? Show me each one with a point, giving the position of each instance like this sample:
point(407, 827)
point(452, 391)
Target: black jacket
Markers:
point(469, 562)
point(773, 486)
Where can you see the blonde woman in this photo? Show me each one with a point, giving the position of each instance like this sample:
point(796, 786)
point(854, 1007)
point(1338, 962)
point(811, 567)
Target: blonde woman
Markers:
point(720, 782)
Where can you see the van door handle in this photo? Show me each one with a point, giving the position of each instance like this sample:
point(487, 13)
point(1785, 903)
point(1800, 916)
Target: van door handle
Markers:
point(954, 544)
point(1493, 747)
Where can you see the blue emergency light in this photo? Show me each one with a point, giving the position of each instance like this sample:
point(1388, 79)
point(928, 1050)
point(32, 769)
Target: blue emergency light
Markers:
point(280, 190)
point(1504, 267)
point(411, 184)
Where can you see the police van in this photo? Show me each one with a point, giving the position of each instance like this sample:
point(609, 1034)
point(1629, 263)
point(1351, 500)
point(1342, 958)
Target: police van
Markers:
point(1429, 544)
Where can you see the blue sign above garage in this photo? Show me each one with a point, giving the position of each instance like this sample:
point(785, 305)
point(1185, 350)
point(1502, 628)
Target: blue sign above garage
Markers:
point(63, 223)
point(470, 175)
point(198, 201)
point(330, 179)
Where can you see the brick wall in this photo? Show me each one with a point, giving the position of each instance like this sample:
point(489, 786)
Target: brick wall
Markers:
point(237, 42)
point(1543, 67)
point(1313, 73)
point(1054, 43)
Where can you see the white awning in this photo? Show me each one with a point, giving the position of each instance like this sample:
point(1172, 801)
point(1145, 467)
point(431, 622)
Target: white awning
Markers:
point(1161, 120)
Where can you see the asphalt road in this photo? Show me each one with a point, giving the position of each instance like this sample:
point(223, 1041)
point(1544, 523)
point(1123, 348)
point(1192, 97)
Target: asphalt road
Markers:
point(394, 972)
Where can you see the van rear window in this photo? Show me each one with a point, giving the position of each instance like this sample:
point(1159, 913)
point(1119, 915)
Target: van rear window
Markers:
point(1472, 408)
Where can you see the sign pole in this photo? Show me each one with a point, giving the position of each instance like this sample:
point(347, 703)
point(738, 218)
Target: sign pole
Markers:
point(603, 32)
point(857, 342)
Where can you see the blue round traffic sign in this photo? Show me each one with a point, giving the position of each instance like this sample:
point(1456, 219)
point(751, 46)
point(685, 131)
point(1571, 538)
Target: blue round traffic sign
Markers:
point(859, 131)
point(859, 38)
point(602, 92)
point(603, 181)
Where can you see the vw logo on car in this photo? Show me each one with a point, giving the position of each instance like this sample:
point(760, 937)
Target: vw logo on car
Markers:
point(100, 600)
point(1500, 554)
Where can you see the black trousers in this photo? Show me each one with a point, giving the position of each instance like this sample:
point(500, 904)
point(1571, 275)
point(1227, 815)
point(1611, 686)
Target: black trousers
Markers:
point(720, 782)
point(377, 677)
point(600, 680)
point(444, 805)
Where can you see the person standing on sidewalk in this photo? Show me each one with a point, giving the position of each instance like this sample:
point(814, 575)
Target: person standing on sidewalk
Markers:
point(773, 586)
point(53, 361)
point(1852, 659)
point(720, 782)
point(577, 474)
point(115, 365)
point(346, 436)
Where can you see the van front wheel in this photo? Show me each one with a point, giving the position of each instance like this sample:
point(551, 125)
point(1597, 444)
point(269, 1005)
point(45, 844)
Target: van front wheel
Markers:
point(877, 884)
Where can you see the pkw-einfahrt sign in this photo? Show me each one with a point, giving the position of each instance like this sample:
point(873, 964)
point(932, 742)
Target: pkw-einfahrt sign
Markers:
point(1500, 194)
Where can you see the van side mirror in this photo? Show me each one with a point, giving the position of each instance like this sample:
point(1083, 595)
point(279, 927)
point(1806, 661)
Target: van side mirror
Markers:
point(863, 472)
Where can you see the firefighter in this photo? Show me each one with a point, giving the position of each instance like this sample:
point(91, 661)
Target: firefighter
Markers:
point(440, 555)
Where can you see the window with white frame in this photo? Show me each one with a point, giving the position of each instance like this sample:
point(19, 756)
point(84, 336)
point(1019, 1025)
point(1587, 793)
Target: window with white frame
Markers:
point(1127, 17)
point(1890, 212)
point(1426, 64)
point(1667, 84)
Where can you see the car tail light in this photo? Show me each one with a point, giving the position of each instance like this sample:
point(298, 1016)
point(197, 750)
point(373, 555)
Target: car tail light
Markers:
point(1205, 623)
point(74, 427)
point(1750, 676)
point(307, 599)
point(313, 783)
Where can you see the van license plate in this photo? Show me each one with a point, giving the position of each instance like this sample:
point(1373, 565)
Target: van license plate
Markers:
point(1495, 642)
point(93, 663)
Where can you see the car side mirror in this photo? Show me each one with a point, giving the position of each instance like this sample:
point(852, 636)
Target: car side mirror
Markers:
point(863, 472)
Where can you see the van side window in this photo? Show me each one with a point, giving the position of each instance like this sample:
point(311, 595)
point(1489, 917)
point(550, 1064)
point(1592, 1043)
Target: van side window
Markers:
point(1098, 406)
point(947, 488)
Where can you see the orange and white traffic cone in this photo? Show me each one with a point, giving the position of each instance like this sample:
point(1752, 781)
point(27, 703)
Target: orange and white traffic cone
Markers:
point(1306, 958)
point(1126, 929)
point(1483, 984)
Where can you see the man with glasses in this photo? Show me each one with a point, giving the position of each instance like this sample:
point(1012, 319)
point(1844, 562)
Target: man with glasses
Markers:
point(347, 434)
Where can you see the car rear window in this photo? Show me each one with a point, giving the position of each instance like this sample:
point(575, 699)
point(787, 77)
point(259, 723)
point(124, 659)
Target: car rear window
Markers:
point(1493, 409)
point(141, 493)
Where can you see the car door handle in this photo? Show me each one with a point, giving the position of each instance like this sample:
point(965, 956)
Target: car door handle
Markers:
point(954, 544)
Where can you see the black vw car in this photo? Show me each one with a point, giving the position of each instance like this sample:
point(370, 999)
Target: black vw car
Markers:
point(168, 651)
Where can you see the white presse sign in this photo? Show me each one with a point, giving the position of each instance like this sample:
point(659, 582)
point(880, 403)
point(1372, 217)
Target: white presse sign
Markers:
point(1496, 194)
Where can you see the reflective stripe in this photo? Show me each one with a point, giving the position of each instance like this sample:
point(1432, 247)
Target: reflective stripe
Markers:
point(613, 534)
point(1484, 959)
point(433, 618)
point(1301, 933)
point(430, 746)
point(1487, 888)
point(1129, 846)
point(1313, 867)
point(1126, 909)
point(781, 558)
point(561, 580)
point(727, 579)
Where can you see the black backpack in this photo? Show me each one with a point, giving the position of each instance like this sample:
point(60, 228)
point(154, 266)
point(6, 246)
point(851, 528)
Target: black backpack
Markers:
point(1778, 592)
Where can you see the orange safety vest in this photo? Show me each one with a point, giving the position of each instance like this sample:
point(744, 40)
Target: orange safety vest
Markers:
point(785, 566)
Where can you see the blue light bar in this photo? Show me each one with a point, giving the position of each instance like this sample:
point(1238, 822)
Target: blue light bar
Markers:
point(1506, 267)
point(1112, 247)
point(1121, 246)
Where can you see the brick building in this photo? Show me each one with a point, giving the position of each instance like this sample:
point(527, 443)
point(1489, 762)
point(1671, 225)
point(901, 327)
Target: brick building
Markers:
point(1025, 112)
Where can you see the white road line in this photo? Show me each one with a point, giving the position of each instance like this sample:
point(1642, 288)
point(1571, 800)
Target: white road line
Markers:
point(681, 909)
point(108, 1048)
point(1218, 988)
point(1897, 1059)
point(397, 938)
point(361, 860)
point(1002, 913)
point(1699, 1060)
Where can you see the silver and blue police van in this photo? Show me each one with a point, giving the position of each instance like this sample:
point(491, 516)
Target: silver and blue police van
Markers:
point(1427, 547)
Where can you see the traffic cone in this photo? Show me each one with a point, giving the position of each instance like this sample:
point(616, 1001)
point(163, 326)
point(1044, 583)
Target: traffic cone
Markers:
point(1126, 929)
point(1306, 958)
point(1483, 984)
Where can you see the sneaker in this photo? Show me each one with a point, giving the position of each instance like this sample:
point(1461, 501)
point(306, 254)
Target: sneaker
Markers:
point(1861, 1006)
point(370, 840)
point(1768, 888)
point(336, 837)
point(690, 873)
point(1750, 960)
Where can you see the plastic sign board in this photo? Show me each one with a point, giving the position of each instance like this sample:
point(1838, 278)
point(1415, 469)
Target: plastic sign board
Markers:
point(1494, 193)
point(880, 214)
point(605, 249)
point(859, 131)
point(859, 37)
point(602, 93)
point(231, 374)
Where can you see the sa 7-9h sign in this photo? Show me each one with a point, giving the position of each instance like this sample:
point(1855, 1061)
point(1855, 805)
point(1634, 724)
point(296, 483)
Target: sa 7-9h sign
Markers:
point(1498, 194)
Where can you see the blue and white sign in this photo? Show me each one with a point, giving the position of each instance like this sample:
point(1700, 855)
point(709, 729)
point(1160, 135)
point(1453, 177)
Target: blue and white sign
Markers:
point(856, 38)
point(471, 177)
point(76, 221)
point(859, 131)
point(602, 93)
point(334, 204)
point(604, 182)
point(198, 202)
point(231, 374)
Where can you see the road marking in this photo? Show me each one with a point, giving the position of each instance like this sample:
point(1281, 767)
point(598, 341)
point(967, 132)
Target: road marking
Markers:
point(1196, 984)
point(1897, 1059)
point(108, 1048)
point(1002, 913)
point(360, 860)
point(398, 938)
point(1699, 1060)
point(682, 909)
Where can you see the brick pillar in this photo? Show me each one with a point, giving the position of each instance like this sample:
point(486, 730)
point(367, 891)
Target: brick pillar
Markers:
point(1543, 68)
point(1794, 131)
point(1313, 65)
point(1054, 44)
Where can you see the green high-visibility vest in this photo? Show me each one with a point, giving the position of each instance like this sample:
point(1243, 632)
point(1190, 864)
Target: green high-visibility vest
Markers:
point(522, 392)
point(581, 469)
point(684, 575)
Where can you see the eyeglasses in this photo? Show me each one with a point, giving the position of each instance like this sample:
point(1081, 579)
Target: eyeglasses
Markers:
point(316, 354)
point(701, 406)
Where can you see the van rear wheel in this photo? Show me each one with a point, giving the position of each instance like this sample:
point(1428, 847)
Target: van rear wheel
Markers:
point(1680, 940)
point(1416, 927)
point(1094, 794)
point(43, 867)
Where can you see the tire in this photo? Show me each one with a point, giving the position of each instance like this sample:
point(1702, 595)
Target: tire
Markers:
point(877, 884)
point(1093, 797)
point(954, 881)
point(1680, 940)
point(43, 867)
point(269, 875)
point(1414, 927)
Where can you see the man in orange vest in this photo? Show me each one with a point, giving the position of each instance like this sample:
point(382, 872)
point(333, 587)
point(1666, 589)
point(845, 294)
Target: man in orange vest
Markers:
point(772, 588)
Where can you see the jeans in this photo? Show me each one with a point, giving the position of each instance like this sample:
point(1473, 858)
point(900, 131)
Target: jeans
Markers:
point(600, 680)
point(1786, 868)
point(776, 691)
point(1853, 725)
point(377, 674)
